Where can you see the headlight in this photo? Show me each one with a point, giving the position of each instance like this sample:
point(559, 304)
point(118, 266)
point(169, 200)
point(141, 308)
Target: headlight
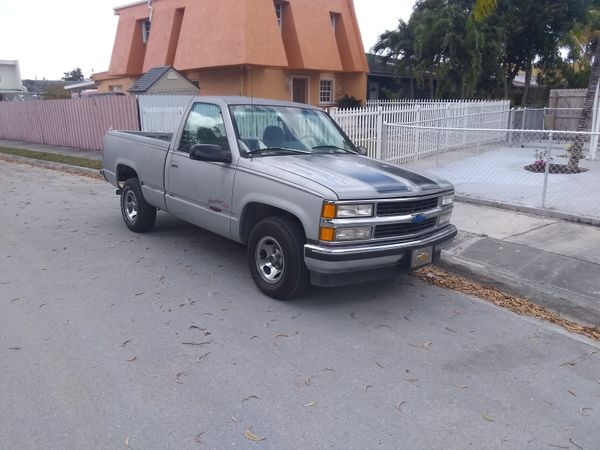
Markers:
point(352, 234)
point(362, 210)
point(344, 234)
point(447, 200)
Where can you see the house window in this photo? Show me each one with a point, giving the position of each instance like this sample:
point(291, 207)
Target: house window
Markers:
point(115, 88)
point(326, 91)
point(145, 31)
point(334, 18)
point(278, 12)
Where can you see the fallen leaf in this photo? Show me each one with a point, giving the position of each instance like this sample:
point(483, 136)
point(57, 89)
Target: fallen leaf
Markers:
point(427, 345)
point(14, 348)
point(413, 380)
point(460, 386)
point(383, 325)
point(178, 375)
point(558, 446)
point(189, 301)
point(451, 330)
point(199, 438)
point(253, 437)
point(379, 364)
point(251, 397)
point(576, 445)
point(583, 410)
point(366, 388)
point(252, 337)
point(127, 443)
point(124, 343)
point(488, 418)
point(305, 382)
point(138, 294)
point(311, 404)
point(196, 327)
point(234, 419)
point(327, 369)
point(280, 335)
point(206, 314)
point(203, 356)
point(132, 359)
point(572, 393)
point(398, 405)
point(196, 343)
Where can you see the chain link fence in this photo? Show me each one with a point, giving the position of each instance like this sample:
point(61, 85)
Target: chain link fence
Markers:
point(543, 169)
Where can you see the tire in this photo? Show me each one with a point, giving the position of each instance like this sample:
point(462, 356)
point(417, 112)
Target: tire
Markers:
point(275, 258)
point(137, 214)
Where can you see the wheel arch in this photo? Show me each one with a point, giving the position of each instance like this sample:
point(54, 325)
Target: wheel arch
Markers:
point(256, 211)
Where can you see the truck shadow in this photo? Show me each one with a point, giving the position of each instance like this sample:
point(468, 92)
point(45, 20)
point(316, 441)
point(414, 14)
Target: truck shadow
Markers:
point(213, 246)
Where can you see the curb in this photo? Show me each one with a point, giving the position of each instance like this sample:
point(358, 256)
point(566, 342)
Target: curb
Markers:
point(568, 304)
point(66, 168)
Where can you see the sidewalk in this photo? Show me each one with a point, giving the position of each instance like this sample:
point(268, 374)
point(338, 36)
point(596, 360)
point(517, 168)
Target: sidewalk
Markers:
point(552, 262)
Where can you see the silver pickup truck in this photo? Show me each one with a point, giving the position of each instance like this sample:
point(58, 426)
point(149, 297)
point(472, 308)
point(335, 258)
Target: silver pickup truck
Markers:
point(286, 181)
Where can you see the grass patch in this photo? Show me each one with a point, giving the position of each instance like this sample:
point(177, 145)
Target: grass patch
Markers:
point(53, 157)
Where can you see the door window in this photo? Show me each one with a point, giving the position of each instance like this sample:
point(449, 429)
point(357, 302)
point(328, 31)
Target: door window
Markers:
point(204, 125)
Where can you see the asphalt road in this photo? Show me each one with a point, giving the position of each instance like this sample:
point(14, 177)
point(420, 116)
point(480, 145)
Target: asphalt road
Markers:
point(113, 340)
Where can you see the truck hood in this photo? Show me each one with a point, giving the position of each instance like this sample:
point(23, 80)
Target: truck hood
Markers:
point(351, 177)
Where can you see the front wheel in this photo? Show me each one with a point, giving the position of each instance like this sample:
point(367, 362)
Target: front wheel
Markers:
point(138, 215)
point(275, 257)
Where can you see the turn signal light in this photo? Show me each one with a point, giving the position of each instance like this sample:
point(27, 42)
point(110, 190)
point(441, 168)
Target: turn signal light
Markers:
point(328, 211)
point(326, 234)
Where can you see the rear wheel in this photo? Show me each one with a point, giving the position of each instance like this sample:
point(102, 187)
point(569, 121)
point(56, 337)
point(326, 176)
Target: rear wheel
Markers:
point(137, 214)
point(275, 257)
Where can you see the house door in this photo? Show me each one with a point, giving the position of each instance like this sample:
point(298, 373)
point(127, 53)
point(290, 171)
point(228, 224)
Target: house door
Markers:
point(300, 90)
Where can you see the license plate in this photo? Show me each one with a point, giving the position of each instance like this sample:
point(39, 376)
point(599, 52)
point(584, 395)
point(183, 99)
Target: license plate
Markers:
point(421, 257)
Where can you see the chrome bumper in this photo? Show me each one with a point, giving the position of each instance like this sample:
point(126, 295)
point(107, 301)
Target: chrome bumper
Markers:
point(326, 259)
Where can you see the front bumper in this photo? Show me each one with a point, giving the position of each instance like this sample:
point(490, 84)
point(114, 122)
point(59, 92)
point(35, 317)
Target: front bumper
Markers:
point(323, 259)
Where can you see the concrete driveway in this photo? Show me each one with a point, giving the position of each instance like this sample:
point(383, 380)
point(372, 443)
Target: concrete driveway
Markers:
point(111, 340)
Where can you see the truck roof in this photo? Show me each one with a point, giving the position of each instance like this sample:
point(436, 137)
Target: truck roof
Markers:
point(238, 100)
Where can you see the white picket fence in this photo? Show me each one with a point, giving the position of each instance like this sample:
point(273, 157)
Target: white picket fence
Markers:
point(369, 126)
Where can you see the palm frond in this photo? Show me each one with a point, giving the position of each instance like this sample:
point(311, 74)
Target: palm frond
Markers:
point(483, 9)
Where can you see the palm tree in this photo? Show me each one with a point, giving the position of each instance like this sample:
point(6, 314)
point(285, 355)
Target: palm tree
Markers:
point(484, 8)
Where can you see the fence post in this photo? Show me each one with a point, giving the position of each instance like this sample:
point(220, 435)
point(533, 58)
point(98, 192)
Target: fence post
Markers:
point(511, 125)
point(418, 130)
point(523, 124)
point(479, 133)
point(547, 169)
point(379, 133)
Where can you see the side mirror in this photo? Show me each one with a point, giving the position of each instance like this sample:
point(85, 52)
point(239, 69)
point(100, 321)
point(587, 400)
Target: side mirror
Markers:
point(209, 152)
point(362, 150)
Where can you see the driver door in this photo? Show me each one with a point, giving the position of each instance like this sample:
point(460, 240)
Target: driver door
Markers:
point(200, 192)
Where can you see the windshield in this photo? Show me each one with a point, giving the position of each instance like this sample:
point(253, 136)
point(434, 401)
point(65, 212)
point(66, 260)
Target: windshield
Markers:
point(267, 130)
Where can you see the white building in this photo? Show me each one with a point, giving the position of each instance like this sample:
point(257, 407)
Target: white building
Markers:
point(10, 80)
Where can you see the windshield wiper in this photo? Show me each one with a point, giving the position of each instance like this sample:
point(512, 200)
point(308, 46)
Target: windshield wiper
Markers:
point(334, 147)
point(279, 149)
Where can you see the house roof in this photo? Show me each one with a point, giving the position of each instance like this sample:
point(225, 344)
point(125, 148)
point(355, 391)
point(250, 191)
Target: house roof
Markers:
point(147, 80)
point(377, 66)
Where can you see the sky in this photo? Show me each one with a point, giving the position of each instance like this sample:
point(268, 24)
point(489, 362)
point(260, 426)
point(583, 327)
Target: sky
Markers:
point(51, 37)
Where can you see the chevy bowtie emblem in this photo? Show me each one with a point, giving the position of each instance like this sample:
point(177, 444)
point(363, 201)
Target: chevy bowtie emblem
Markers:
point(418, 218)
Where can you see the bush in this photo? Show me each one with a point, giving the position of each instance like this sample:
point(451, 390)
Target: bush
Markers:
point(348, 102)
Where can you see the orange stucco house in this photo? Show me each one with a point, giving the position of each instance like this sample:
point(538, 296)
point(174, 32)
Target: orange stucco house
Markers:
point(309, 51)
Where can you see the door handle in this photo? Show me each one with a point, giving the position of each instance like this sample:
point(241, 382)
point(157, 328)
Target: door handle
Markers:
point(174, 165)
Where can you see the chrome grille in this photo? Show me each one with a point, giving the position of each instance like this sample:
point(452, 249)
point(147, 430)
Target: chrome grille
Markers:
point(399, 229)
point(406, 207)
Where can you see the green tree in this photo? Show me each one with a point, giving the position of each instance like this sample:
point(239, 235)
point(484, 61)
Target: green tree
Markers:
point(74, 75)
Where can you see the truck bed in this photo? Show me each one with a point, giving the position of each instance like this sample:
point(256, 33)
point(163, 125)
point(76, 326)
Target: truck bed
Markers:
point(144, 152)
